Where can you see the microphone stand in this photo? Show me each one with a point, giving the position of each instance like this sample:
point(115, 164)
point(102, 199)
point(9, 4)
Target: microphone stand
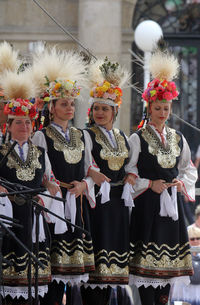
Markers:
point(3, 229)
point(38, 209)
point(28, 190)
point(10, 222)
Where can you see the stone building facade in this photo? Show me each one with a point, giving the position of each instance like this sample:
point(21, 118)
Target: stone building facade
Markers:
point(103, 26)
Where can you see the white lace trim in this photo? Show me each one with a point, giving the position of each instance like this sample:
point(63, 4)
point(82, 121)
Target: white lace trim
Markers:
point(73, 279)
point(93, 286)
point(155, 282)
point(22, 291)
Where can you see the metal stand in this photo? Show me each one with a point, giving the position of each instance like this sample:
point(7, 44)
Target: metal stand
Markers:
point(26, 193)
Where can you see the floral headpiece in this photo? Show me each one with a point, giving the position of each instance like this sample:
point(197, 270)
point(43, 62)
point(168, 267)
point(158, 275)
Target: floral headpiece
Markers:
point(106, 80)
point(106, 91)
point(62, 89)
point(163, 91)
point(21, 108)
point(164, 68)
point(18, 89)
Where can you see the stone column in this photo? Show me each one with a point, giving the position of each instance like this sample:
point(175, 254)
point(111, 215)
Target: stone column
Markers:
point(100, 32)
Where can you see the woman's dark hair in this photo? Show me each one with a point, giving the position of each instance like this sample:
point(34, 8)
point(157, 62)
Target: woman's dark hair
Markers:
point(47, 114)
point(91, 121)
point(7, 135)
point(10, 122)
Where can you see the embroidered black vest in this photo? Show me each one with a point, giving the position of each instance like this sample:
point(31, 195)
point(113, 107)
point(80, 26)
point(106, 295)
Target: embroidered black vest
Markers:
point(67, 159)
point(155, 160)
point(111, 161)
point(29, 173)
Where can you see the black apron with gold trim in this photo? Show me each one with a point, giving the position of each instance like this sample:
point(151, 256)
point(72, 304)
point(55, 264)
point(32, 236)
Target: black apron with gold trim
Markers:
point(29, 173)
point(110, 221)
point(159, 246)
point(71, 252)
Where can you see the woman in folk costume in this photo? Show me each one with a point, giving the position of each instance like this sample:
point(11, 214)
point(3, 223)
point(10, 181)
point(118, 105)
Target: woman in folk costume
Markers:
point(110, 150)
point(159, 248)
point(29, 166)
point(9, 61)
point(71, 252)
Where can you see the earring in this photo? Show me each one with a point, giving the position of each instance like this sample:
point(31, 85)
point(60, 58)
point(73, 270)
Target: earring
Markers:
point(50, 116)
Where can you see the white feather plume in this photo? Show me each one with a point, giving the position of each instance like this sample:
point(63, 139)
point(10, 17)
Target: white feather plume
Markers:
point(8, 58)
point(55, 64)
point(95, 75)
point(118, 78)
point(164, 66)
point(18, 86)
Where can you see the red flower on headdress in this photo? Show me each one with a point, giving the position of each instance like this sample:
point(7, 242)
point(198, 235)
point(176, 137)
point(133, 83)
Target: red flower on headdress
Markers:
point(167, 96)
point(160, 90)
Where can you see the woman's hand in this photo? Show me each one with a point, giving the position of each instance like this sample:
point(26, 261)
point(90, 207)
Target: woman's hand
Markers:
point(53, 188)
point(178, 184)
point(158, 186)
point(78, 188)
point(131, 179)
point(98, 177)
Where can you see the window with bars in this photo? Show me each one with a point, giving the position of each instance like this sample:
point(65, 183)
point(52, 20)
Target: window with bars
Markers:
point(180, 22)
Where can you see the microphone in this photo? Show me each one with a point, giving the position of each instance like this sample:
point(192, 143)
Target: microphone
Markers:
point(8, 152)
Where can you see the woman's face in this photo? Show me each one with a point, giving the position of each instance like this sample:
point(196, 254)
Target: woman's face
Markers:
point(63, 109)
point(159, 112)
point(20, 129)
point(103, 114)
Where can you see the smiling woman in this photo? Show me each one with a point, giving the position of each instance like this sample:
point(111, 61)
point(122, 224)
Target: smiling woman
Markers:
point(159, 248)
point(20, 129)
point(26, 165)
point(103, 115)
point(71, 252)
point(110, 150)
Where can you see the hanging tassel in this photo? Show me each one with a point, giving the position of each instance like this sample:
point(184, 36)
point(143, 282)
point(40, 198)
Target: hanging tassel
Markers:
point(144, 119)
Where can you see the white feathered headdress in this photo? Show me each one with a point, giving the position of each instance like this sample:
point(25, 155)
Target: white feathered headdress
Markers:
point(58, 72)
point(9, 60)
point(164, 68)
point(18, 86)
point(19, 90)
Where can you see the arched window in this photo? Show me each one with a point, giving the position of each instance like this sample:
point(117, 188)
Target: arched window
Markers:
point(180, 22)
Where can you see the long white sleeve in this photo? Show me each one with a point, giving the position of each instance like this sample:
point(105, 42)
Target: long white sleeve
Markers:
point(142, 184)
point(39, 140)
point(187, 172)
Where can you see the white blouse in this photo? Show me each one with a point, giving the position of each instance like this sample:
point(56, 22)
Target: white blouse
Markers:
point(187, 171)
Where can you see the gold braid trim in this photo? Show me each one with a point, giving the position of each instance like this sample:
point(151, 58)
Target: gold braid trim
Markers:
point(77, 258)
point(114, 156)
point(25, 171)
point(10, 271)
point(153, 244)
point(151, 259)
point(73, 150)
point(112, 270)
point(63, 253)
point(166, 155)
